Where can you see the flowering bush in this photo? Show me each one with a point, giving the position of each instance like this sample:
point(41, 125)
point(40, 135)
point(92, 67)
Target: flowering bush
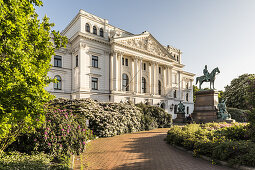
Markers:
point(221, 141)
point(155, 117)
point(60, 135)
point(110, 119)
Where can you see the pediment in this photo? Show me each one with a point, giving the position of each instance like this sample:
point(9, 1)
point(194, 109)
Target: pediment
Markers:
point(144, 42)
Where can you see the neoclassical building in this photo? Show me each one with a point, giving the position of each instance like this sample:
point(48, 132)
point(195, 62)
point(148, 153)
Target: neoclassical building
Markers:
point(106, 63)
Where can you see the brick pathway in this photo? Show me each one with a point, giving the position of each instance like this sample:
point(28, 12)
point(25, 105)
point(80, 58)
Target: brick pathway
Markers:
point(143, 150)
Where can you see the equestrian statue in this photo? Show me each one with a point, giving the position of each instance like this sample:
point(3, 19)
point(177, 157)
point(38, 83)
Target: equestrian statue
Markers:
point(207, 77)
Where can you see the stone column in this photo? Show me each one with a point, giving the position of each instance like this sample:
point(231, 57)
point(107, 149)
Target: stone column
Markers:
point(136, 71)
point(170, 77)
point(152, 78)
point(164, 80)
point(132, 80)
point(156, 74)
point(120, 71)
point(149, 79)
point(141, 75)
point(115, 71)
point(111, 71)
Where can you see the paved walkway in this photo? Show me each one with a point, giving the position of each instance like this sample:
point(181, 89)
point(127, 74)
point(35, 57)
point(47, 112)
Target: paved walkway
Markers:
point(142, 150)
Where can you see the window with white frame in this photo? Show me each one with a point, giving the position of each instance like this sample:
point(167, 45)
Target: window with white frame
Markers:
point(95, 61)
point(94, 83)
point(58, 84)
point(57, 61)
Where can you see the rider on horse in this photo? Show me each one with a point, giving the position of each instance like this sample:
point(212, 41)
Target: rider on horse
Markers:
point(206, 73)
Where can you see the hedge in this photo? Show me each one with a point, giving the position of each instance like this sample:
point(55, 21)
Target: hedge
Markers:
point(110, 119)
point(220, 141)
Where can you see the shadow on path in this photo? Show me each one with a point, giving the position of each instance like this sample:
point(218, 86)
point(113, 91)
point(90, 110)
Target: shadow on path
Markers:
point(142, 150)
point(155, 153)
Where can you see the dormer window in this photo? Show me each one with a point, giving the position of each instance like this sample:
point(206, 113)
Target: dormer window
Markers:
point(101, 32)
point(95, 30)
point(87, 27)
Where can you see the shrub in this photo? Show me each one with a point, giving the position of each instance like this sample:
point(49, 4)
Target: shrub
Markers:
point(162, 118)
point(60, 136)
point(109, 119)
point(222, 141)
point(22, 161)
point(238, 114)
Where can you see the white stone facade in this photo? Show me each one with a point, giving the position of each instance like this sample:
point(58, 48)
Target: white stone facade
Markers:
point(99, 62)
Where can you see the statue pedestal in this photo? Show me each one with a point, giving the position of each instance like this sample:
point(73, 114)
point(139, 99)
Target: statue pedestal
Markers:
point(205, 107)
point(230, 120)
point(180, 118)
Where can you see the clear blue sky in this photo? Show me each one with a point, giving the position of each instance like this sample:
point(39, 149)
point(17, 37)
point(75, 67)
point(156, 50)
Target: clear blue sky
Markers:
point(213, 32)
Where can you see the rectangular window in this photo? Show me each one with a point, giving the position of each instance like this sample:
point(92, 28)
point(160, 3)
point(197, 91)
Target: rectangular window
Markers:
point(123, 61)
point(159, 70)
point(94, 61)
point(94, 83)
point(126, 62)
point(77, 61)
point(144, 66)
point(57, 61)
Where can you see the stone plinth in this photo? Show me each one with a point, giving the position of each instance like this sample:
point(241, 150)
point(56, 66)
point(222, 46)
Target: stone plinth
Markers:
point(205, 107)
point(180, 118)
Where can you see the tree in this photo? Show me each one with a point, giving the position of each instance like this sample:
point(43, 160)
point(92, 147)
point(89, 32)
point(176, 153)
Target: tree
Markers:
point(25, 54)
point(220, 95)
point(237, 93)
point(195, 89)
point(250, 97)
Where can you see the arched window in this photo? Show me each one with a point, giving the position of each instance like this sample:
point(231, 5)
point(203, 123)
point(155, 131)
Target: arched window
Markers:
point(187, 97)
point(101, 32)
point(58, 84)
point(143, 85)
point(87, 27)
point(162, 105)
point(95, 30)
point(159, 87)
point(125, 81)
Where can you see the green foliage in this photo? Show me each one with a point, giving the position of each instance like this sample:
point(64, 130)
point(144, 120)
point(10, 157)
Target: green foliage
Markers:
point(110, 119)
point(25, 54)
point(238, 114)
point(195, 89)
point(60, 135)
point(237, 93)
point(251, 120)
point(250, 97)
point(156, 116)
point(220, 96)
point(220, 141)
point(22, 161)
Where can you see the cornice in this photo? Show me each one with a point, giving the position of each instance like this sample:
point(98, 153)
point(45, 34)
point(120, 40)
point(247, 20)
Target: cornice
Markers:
point(188, 73)
point(89, 36)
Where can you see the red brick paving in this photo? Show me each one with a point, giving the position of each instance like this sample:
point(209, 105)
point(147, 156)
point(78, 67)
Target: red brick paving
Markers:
point(142, 150)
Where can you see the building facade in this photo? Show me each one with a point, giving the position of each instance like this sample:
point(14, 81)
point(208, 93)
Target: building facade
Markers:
point(106, 63)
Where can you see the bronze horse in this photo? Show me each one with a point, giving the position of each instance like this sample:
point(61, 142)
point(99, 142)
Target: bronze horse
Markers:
point(211, 79)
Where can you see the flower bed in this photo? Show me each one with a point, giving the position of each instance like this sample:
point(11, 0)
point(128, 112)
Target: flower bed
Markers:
point(110, 119)
point(220, 141)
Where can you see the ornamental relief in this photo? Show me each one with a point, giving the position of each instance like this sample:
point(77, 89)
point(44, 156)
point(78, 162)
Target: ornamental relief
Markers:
point(147, 44)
